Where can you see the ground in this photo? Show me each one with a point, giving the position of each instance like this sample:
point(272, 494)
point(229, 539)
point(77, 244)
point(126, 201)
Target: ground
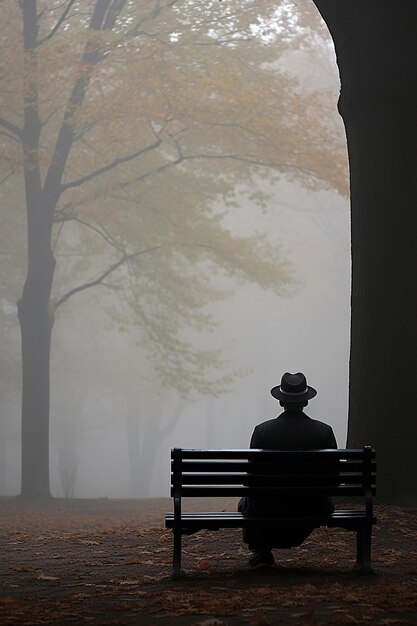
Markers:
point(109, 562)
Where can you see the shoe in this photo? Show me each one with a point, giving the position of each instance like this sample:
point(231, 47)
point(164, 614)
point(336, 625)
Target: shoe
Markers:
point(262, 558)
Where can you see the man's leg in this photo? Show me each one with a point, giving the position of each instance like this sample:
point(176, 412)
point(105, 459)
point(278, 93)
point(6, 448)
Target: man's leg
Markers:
point(262, 555)
point(255, 539)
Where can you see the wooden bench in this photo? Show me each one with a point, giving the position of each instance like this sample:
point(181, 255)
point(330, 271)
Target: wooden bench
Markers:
point(208, 473)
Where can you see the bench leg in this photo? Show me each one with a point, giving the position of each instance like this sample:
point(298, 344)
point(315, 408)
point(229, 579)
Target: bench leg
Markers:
point(177, 555)
point(363, 550)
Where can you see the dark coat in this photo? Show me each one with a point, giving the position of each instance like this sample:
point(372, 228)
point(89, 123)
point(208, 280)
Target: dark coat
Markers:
point(292, 430)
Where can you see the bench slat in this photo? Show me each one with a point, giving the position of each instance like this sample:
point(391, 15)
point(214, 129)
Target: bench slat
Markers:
point(242, 466)
point(338, 514)
point(277, 480)
point(238, 520)
point(281, 454)
point(209, 491)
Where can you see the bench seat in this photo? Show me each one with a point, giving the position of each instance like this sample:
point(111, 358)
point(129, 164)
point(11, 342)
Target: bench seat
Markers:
point(344, 518)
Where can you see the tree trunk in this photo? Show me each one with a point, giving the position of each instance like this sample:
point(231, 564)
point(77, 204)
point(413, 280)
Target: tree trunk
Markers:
point(33, 307)
point(376, 48)
point(36, 324)
point(133, 427)
point(143, 441)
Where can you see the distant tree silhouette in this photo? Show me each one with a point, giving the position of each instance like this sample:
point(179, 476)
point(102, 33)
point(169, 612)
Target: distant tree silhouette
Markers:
point(376, 48)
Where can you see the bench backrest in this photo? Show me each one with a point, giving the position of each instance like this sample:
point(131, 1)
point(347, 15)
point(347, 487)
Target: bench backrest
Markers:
point(202, 473)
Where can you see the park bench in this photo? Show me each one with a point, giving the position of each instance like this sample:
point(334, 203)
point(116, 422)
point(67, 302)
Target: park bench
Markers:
point(211, 473)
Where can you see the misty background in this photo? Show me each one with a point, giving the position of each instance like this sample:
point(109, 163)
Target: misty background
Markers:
point(114, 418)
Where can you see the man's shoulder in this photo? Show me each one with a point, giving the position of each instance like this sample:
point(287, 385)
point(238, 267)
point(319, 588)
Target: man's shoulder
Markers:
point(261, 433)
point(285, 419)
point(320, 424)
point(321, 427)
point(266, 424)
point(322, 433)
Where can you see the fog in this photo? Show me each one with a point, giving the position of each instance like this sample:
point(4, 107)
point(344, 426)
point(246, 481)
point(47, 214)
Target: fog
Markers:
point(96, 372)
point(113, 418)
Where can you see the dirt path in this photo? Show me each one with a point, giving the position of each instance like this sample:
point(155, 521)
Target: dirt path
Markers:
point(109, 562)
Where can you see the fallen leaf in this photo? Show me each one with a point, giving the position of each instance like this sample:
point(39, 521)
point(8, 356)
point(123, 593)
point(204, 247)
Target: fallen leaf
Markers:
point(51, 579)
point(211, 622)
point(128, 581)
point(259, 620)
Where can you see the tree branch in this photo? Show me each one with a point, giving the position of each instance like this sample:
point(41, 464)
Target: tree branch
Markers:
point(31, 126)
point(251, 160)
point(114, 11)
point(154, 13)
point(283, 167)
point(11, 127)
point(65, 139)
point(3, 133)
point(110, 166)
point(59, 22)
point(104, 233)
point(102, 277)
point(6, 176)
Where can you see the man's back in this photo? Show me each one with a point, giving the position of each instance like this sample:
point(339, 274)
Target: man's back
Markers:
point(293, 430)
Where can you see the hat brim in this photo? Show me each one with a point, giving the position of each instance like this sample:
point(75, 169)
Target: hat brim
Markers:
point(289, 397)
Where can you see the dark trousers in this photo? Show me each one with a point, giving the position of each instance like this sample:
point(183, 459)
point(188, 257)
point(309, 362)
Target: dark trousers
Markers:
point(277, 535)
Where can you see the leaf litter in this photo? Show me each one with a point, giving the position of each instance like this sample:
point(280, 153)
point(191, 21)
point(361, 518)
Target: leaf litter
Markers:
point(121, 557)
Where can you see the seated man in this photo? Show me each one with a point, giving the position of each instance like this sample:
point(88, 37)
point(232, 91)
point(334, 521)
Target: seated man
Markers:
point(292, 430)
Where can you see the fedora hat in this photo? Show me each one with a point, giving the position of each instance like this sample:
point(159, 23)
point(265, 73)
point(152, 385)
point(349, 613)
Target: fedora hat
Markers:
point(293, 388)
